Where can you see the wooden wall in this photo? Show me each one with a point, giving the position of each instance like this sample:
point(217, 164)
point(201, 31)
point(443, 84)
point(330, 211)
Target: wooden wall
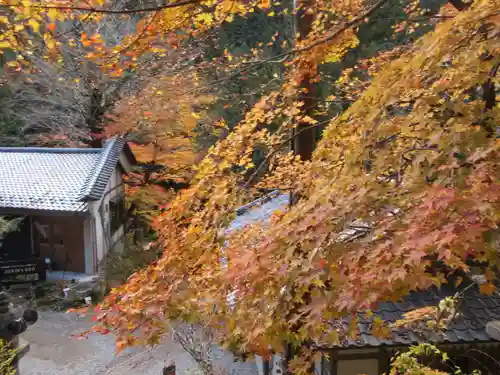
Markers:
point(62, 240)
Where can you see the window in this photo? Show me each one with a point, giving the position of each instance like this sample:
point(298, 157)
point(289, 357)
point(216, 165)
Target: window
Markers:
point(117, 213)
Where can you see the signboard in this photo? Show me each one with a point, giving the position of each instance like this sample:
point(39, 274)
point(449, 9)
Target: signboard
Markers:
point(21, 271)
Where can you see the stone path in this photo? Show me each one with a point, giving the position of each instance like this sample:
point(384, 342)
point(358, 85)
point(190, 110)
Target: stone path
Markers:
point(54, 352)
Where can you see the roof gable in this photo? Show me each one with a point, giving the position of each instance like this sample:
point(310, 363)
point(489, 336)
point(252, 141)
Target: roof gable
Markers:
point(105, 165)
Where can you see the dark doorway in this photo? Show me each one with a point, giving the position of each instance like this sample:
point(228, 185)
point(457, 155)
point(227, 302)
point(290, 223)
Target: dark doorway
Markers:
point(16, 244)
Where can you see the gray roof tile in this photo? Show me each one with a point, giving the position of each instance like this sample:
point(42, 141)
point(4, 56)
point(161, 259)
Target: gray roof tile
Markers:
point(475, 312)
point(55, 179)
point(476, 309)
point(260, 210)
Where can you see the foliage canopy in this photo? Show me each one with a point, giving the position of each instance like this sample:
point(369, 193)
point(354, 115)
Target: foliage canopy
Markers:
point(414, 158)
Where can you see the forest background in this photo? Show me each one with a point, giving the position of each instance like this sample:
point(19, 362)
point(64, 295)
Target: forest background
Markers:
point(380, 111)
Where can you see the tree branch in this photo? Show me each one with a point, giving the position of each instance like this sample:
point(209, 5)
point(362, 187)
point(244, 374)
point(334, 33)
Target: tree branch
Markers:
point(108, 11)
point(354, 22)
point(276, 149)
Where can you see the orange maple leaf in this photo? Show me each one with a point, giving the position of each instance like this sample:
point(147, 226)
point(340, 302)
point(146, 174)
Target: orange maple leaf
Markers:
point(487, 288)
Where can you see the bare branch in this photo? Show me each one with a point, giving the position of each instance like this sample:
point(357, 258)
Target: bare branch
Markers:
point(282, 56)
point(108, 11)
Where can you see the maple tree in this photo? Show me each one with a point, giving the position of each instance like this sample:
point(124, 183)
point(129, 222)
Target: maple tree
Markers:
point(161, 121)
point(414, 157)
point(417, 158)
point(62, 97)
point(410, 362)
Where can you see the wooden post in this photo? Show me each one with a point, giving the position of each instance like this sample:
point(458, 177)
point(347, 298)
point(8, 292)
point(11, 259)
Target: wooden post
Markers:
point(384, 361)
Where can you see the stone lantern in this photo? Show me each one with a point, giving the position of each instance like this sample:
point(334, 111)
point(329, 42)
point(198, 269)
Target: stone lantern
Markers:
point(11, 326)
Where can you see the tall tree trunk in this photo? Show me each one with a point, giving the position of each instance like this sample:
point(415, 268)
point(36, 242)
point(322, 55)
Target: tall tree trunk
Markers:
point(489, 90)
point(95, 118)
point(304, 141)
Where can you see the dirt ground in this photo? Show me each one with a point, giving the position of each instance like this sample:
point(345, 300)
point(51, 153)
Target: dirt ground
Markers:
point(54, 352)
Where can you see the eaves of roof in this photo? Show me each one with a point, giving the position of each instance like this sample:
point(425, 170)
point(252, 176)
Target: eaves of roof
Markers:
point(81, 211)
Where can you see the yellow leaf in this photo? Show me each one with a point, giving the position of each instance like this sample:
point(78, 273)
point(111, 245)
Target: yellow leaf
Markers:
point(50, 43)
point(34, 25)
point(207, 19)
point(333, 337)
point(318, 282)
point(52, 14)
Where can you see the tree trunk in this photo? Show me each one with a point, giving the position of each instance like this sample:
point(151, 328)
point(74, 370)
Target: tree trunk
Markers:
point(489, 90)
point(304, 141)
point(95, 118)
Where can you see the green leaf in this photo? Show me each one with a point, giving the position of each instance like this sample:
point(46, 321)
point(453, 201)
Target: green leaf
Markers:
point(460, 156)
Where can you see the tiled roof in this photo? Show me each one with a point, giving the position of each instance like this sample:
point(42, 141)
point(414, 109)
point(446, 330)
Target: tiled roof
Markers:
point(475, 311)
point(55, 179)
point(260, 210)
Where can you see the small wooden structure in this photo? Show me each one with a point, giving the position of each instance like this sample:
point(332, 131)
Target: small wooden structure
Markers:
point(71, 205)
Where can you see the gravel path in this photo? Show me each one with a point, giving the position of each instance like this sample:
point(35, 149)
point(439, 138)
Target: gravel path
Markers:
point(53, 352)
